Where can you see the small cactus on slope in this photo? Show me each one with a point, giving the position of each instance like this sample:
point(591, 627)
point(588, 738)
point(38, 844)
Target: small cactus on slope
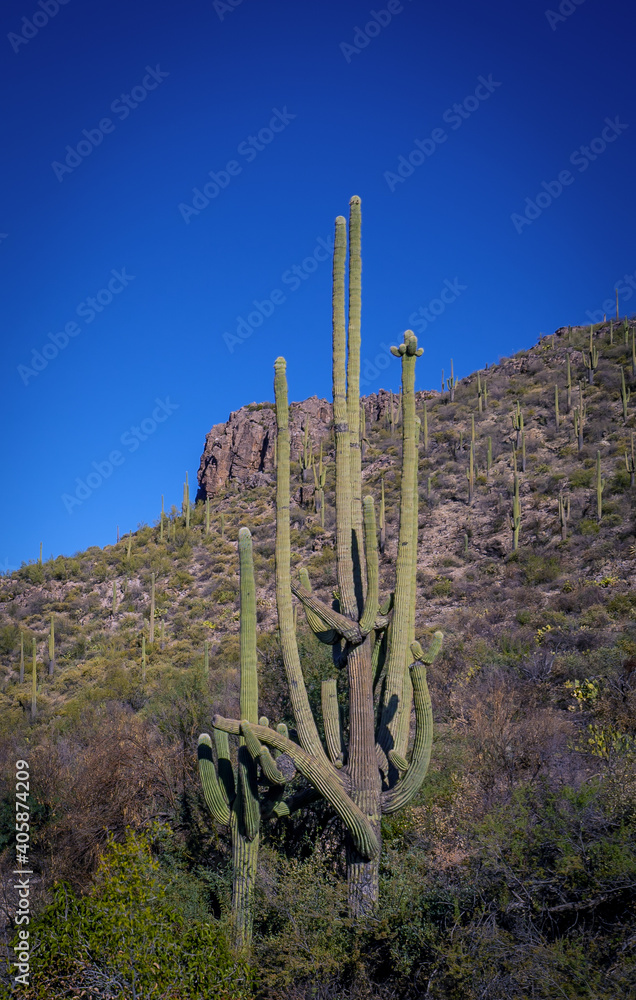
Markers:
point(600, 486)
point(590, 358)
point(515, 517)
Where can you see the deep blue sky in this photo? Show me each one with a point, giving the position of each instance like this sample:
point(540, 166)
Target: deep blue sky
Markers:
point(552, 84)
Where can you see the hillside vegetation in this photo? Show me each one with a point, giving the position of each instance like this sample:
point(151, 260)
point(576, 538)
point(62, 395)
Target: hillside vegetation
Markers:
point(514, 873)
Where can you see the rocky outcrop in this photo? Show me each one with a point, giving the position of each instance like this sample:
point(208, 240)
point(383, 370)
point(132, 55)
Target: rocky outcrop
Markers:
point(242, 450)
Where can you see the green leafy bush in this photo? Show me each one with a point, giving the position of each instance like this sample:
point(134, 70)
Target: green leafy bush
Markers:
point(131, 929)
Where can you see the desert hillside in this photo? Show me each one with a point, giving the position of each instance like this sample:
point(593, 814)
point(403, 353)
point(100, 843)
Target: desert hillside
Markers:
point(514, 873)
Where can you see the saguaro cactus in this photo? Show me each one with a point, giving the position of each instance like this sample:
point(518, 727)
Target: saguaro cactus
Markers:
point(515, 517)
point(320, 477)
point(52, 647)
point(34, 684)
point(517, 424)
point(600, 486)
point(451, 384)
point(151, 633)
point(625, 395)
point(631, 464)
point(234, 799)
point(367, 771)
point(579, 419)
point(470, 472)
point(590, 358)
point(564, 516)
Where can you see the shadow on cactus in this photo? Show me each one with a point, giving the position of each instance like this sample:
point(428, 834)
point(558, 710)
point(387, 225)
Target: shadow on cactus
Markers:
point(370, 770)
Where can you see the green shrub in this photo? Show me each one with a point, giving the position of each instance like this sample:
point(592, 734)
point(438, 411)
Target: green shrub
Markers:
point(541, 569)
point(132, 926)
point(588, 527)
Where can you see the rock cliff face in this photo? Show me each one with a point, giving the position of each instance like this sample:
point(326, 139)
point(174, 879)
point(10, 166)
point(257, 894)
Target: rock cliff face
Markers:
point(242, 449)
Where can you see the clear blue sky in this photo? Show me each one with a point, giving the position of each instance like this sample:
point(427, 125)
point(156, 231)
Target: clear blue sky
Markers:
point(292, 110)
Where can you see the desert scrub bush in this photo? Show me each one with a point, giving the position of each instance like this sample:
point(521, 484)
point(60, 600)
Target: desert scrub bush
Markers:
point(541, 569)
point(132, 930)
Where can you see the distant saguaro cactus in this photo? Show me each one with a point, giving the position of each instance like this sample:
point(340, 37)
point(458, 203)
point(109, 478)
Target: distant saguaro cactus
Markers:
point(590, 358)
point(515, 517)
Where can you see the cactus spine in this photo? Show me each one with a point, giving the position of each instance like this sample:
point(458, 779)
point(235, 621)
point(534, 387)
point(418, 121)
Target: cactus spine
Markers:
point(611, 333)
point(515, 518)
point(590, 358)
point(480, 395)
point(151, 636)
point(40, 556)
point(129, 545)
point(371, 775)
point(52, 647)
point(564, 516)
point(162, 634)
